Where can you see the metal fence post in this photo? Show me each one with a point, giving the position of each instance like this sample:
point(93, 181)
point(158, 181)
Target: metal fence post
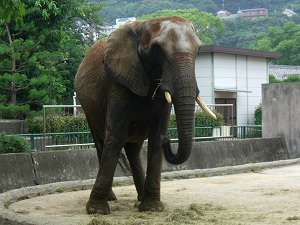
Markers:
point(32, 141)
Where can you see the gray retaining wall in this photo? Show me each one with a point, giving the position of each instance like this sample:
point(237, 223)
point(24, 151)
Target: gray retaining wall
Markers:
point(281, 114)
point(29, 169)
point(13, 126)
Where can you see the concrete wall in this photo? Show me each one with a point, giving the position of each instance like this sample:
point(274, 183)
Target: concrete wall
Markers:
point(13, 126)
point(29, 169)
point(281, 114)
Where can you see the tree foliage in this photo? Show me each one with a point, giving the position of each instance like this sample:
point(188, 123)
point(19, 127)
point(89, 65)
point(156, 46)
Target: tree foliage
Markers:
point(242, 32)
point(37, 38)
point(285, 40)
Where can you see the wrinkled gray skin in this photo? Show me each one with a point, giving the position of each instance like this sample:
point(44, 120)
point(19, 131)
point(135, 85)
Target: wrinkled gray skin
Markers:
point(116, 85)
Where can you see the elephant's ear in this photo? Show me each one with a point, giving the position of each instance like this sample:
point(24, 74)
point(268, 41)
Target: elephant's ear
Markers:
point(122, 62)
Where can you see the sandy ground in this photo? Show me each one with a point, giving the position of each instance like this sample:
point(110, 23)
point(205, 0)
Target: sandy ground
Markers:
point(270, 196)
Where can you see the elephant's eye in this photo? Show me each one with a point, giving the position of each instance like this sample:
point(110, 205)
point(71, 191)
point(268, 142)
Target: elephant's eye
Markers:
point(156, 51)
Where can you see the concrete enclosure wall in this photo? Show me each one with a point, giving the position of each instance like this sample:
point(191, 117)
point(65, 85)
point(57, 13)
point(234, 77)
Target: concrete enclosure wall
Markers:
point(13, 126)
point(281, 114)
point(29, 169)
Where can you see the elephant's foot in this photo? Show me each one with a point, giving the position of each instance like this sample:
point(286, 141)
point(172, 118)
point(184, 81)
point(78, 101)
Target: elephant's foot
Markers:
point(112, 196)
point(152, 206)
point(140, 197)
point(100, 207)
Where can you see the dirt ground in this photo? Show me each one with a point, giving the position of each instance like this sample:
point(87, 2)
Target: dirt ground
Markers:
point(270, 196)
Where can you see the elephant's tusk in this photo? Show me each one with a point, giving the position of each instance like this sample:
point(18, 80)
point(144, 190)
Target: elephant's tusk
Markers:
point(168, 97)
point(205, 108)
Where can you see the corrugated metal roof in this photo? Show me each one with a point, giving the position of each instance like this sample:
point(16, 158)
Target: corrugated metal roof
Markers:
point(239, 51)
point(283, 71)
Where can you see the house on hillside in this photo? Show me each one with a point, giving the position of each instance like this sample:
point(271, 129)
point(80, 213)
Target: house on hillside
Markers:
point(288, 12)
point(253, 13)
point(228, 75)
point(247, 13)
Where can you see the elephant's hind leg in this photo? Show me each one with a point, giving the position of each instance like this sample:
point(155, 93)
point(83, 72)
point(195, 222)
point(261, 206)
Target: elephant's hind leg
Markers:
point(116, 128)
point(101, 192)
point(98, 140)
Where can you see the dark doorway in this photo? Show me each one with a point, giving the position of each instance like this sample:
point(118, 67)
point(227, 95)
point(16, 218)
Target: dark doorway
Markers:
point(228, 117)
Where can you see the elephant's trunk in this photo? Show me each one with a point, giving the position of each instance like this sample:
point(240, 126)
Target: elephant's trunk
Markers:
point(183, 93)
point(185, 127)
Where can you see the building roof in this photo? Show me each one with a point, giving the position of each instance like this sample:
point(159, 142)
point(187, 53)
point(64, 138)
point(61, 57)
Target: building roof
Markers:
point(257, 9)
point(283, 71)
point(239, 51)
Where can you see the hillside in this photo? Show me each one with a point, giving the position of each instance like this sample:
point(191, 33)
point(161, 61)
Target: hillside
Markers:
point(238, 32)
point(119, 8)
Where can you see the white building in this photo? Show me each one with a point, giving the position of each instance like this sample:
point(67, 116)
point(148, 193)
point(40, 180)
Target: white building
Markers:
point(227, 75)
point(120, 21)
point(289, 12)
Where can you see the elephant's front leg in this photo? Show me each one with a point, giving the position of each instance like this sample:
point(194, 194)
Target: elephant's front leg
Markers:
point(151, 194)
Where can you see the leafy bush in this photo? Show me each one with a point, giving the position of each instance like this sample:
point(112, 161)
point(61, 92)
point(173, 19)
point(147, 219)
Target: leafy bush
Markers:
point(258, 115)
point(273, 79)
point(203, 124)
point(58, 124)
point(35, 125)
point(292, 78)
point(13, 144)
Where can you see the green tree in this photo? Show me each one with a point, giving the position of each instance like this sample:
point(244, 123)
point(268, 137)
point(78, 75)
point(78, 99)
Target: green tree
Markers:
point(285, 40)
point(242, 32)
point(206, 25)
point(34, 47)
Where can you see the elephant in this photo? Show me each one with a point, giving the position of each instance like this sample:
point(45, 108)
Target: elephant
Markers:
point(126, 85)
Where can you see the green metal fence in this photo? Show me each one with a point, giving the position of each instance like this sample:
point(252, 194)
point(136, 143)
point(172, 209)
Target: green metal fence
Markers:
point(65, 127)
point(77, 140)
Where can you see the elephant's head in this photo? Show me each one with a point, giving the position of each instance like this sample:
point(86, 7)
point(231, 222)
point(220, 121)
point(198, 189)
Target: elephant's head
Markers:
point(162, 48)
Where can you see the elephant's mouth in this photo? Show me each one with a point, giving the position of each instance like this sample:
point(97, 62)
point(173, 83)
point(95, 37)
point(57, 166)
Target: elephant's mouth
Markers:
point(200, 102)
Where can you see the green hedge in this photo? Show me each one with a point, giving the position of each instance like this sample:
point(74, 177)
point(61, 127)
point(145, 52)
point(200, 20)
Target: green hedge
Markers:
point(70, 123)
point(13, 144)
point(58, 124)
point(203, 124)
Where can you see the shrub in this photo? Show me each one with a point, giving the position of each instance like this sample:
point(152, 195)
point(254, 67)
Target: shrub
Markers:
point(203, 124)
point(258, 115)
point(292, 78)
point(273, 79)
point(58, 124)
point(13, 144)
